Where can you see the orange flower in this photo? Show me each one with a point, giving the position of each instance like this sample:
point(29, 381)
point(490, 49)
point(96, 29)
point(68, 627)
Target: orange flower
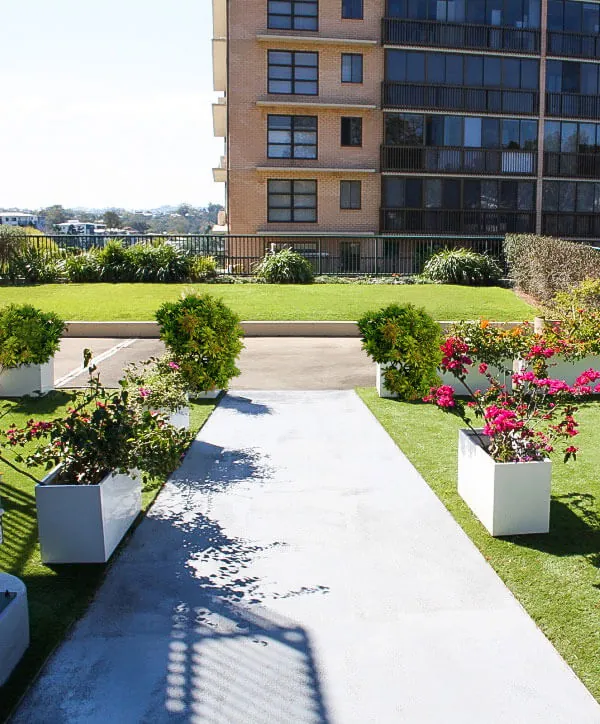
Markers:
point(484, 323)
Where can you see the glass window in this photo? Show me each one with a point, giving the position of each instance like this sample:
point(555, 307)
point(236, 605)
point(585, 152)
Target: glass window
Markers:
point(508, 195)
point(585, 197)
point(532, 14)
point(350, 194)
point(352, 9)
point(552, 136)
point(472, 194)
point(566, 199)
point(555, 16)
point(530, 74)
point(510, 134)
point(529, 131)
point(476, 12)
point(413, 192)
point(433, 193)
point(395, 65)
point(489, 194)
point(568, 137)
point(587, 137)
point(352, 68)
point(525, 194)
point(473, 70)
point(554, 76)
point(589, 78)
point(393, 192)
point(291, 201)
point(511, 72)
point(436, 68)
point(293, 15)
point(490, 133)
point(415, 68)
point(591, 18)
point(492, 71)
point(454, 69)
point(403, 129)
point(417, 9)
point(292, 136)
point(572, 17)
point(293, 72)
point(396, 9)
point(351, 131)
point(550, 196)
point(493, 12)
point(472, 133)
point(570, 76)
point(453, 131)
point(435, 131)
point(450, 194)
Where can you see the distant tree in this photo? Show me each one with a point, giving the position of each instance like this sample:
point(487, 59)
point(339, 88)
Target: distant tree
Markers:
point(213, 211)
point(112, 219)
point(54, 215)
point(185, 210)
point(140, 225)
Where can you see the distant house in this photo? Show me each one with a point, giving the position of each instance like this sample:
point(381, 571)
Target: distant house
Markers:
point(80, 228)
point(17, 218)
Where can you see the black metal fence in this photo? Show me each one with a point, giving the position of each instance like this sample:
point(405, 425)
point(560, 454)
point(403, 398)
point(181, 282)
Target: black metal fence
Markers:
point(340, 254)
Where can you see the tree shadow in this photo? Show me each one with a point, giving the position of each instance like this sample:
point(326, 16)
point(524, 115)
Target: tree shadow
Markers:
point(34, 404)
point(244, 405)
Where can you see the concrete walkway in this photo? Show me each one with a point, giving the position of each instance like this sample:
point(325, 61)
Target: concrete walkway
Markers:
point(298, 570)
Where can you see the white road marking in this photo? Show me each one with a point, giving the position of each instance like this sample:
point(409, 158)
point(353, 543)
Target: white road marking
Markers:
point(95, 360)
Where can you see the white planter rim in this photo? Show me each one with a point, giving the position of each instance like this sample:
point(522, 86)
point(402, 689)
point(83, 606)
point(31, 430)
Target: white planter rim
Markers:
point(467, 431)
point(46, 481)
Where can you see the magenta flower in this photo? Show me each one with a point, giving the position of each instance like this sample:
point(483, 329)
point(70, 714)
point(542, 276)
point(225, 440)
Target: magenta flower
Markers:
point(174, 366)
point(144, 392)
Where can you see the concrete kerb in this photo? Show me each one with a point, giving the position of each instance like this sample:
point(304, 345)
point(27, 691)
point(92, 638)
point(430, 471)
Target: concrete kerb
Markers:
point(149, 330)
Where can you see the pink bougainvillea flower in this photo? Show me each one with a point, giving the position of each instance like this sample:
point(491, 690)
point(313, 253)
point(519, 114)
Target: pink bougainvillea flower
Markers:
point(174, 365)
point(144, 392)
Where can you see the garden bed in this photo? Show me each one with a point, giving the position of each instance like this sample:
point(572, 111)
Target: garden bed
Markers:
point(107, 302)
point(555, 576)
point(57, 596)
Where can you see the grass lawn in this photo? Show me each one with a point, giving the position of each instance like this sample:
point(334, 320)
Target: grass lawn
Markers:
point(556, 576)
point(272, 301)
point(58, 595)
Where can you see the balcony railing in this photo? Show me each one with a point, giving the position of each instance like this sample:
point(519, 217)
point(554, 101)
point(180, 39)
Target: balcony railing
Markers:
point(577, 45)
point(453, 159)
point(579, 225)
point(428, 33)
point(577, 165)
point(572, 105)
point(436, 221)
point(397, 94)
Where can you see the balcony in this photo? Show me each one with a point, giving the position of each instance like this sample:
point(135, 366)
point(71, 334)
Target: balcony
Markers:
point(514, 101)
point(575, 165)
point(442, 221)
point(573, 105)
point(575, 225)
point(458, 160)
point(431, 33)
point(573, 45)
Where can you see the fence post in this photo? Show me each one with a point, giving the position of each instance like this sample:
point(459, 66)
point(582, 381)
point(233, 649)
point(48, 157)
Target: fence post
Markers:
point(320, 257)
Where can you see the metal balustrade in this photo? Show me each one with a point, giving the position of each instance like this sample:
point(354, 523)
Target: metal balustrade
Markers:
point(574, 165)
point(449, 159)
point(572, 105)
point(476, 221)
point(574, 45)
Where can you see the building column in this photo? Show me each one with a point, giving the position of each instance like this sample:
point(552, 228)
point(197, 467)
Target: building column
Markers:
point(542, 115)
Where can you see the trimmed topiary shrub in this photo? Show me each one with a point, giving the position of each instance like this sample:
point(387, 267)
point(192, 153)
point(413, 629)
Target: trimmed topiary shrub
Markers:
point(204, 338)
point(285, 266)
point(28, 335)
point(543, 265)
point(462, 266)
point(408, 340)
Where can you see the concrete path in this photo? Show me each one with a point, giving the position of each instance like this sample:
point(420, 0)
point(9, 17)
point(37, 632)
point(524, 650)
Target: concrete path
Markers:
point(298, 570)
point(266, 363)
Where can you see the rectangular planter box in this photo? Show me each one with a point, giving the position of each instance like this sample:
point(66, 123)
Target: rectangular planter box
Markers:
point(85, 523)
point(210, 395)
point(27, 380)
point(508, 498)
point(180, 418)
point(476, 380)
point(14, 625)
point(382, 390)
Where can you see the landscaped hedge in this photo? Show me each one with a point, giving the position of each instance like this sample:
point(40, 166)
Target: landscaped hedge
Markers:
point(543, 265)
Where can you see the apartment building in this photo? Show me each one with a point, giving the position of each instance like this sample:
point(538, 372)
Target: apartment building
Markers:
point(409, 117)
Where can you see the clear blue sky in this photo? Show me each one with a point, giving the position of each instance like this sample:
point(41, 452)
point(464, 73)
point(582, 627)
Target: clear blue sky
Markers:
point(107, 103)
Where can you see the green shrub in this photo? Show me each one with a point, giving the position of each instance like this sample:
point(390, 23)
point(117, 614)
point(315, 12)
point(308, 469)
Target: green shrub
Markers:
point(204, 338)
point(37, 266)
point(28, 335)
point(157, 262)
point(408, 340)
point(114, 263)
point(585, 297)
point(542, 266)
point(462, 266)
point(13, 241)
point(203, 268)
point(285, 267)
point(161, 381)
point(84, 267)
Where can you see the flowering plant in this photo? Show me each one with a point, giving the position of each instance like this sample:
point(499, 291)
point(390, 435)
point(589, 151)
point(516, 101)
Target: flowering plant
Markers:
point(519, 426)
point(156, 384)
point(492, 344)
point(102, 432)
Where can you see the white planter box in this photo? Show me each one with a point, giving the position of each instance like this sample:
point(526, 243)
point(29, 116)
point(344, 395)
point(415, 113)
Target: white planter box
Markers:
point(476, 380)
point(508, 498)
point(561, 369)
point(382, 390)
point(180, 418)
point(27, 379)
point(14, 625)
point(85, 523)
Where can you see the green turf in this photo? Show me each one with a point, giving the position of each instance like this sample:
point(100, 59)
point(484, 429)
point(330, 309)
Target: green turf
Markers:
point(58, 595)
point(555, 576)
point(272, 301)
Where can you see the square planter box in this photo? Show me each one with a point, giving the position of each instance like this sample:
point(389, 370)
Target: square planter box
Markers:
point(209, 395)
point(180, 418)
point(27, 379)
point(14, 624)
point(382, 390)
point(85, 523)
point(476, 380)
point(508, 498)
